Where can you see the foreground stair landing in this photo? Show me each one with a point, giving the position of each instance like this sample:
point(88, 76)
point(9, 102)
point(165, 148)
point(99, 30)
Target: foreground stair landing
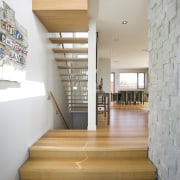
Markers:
point(87, 155)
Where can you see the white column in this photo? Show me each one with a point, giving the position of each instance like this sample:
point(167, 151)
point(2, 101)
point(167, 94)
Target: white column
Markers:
point(92, 75)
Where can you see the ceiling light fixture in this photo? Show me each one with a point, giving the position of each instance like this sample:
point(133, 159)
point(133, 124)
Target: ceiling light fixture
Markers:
point(124, 22)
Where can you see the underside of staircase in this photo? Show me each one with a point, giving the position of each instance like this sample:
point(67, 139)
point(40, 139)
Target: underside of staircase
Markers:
point(87, 155)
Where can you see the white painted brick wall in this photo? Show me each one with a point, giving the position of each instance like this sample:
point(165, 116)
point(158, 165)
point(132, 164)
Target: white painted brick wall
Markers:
point(164, 73)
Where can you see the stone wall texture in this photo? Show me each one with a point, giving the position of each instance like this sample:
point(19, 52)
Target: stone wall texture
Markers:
point(164, 87)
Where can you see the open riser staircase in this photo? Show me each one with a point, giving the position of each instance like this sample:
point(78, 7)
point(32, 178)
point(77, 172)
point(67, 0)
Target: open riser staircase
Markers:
point(87, 155)
point(71, 55)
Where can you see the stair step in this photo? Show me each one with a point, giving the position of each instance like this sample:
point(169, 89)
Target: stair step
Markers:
point(73, 67)
point(69, 40)
point(79, 91)
point(71, 59)
point(73, 74)
point(81, 147)
point(76, 103)
point(125, 132)
point(73, 99)
point(70, 50)
point(88, 169)
point(82, 154)
point(79, 86)
point(77, 143)
point(78, 107)
point(74, 80)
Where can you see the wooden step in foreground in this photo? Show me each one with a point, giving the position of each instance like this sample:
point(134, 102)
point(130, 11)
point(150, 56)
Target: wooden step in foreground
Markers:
point(87, 169)
point(87, 155)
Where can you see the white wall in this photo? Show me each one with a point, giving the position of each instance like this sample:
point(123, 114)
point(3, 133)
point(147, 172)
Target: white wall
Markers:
point(25, 112)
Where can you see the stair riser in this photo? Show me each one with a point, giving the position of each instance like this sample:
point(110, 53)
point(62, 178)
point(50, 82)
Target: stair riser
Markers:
point(88, 176)
point(79, 155)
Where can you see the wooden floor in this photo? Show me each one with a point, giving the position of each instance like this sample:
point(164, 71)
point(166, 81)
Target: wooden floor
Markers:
point(117, 151)
point(134, 117)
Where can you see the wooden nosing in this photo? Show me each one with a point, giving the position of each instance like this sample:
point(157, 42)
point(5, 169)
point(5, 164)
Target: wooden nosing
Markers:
point(70, 50)
point(73, 67)
point(71, 59)
point(69, 40)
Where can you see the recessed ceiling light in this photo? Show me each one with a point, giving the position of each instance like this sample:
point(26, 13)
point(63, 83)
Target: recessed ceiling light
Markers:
point(124, 22)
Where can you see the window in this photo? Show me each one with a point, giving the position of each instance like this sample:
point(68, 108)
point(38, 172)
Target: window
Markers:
point(141, 81)
point(131, 81)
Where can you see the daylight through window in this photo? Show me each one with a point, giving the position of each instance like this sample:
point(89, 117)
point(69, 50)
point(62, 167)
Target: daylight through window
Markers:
point(131, 81)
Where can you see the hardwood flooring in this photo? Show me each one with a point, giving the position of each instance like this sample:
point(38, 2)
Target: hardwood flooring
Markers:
point(122, 117)
point(117, 151)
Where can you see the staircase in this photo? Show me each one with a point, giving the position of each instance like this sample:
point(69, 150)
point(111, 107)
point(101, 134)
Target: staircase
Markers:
point(62, 19)
point(81, 154)
point(71, 52)
point(87, 155)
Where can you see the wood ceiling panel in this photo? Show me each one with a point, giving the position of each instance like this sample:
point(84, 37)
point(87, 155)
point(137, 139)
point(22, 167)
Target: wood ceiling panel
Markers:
point(64, 21)
point(62, 15)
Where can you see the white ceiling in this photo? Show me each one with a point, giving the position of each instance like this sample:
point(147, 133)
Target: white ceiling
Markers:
point(126, 45)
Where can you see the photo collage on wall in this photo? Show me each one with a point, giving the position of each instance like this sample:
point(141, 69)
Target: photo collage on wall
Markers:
point(13, 46)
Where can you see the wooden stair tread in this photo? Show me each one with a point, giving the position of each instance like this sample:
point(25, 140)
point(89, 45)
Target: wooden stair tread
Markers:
point(138, 169)
point(71, 99)
point(100, 133)
point(73, 67)
point(82, 86)
point(70, 50)
point(91, 145)
point(74, 74)
point(78, 143)
point(69, 40)
point(137, 165)
point(79, 103)
point(82, 154)
point(75, 107)
point(73, 90)
point(71, 59)
point(74, 80)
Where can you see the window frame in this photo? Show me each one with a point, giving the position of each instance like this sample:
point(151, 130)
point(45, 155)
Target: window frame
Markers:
point(138, 80)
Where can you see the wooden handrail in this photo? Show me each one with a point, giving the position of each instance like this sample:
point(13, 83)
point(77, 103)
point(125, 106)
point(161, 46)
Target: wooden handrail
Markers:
point(58, 108)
